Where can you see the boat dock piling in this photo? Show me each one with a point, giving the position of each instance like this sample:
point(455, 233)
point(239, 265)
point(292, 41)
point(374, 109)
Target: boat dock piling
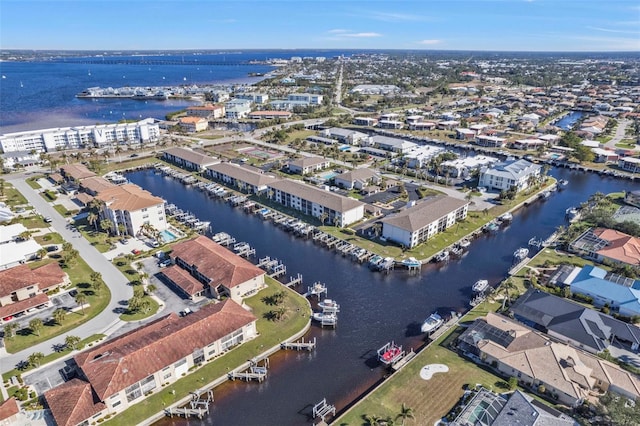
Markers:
point(322, 409)
point(278, 270)
point(243, 249)
point(299, 346)
point(294, 281)
point(255, 372)
point(198, 407)
point(317, 289)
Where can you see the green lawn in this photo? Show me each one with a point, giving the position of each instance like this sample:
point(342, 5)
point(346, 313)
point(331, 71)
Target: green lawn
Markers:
point(50, 238)
point(35, 221)
point(139, 315)
point(11, 196)
point(271, 334)
point(53, 356)
point(32, 181)
point(62, 210)
point(430, 399)
point(98, 239)
point(78, 274)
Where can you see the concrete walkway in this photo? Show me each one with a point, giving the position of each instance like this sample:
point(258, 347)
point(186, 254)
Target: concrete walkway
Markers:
point(108, 320)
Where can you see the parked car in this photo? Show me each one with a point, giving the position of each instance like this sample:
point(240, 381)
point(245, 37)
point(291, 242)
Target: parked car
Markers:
point(186, 312)
point(47, 219)
point(164, 263)
point(124, 241)
point(9, 318)
point(136, 251)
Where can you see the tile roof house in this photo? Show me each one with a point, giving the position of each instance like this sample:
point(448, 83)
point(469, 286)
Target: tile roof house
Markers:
point(417, 224)
point(306, 165)
point(93, 185)
point(22, 288)
point(9, 412)
point(120, 372)
point(357, 178)
point(76, 172)
point(584, 328)
point(568, 374)
point(189, 159)
point(602, 244)
point(132, 207)
point(503, 176)
point(313, 201)
point(202, 265)
point(193, 124)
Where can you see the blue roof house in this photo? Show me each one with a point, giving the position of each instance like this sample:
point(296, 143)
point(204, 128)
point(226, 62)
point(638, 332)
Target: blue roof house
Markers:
point(620, 293)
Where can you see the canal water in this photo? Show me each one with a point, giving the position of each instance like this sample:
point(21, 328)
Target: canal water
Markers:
point(375, 308)
point(568, 121)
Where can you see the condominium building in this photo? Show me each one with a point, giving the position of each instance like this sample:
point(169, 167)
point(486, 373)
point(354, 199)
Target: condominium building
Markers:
point(63, 138)
point(133, 207)
point(505, 175)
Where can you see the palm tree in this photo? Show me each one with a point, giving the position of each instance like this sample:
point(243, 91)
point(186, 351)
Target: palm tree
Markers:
point(377, 228)
point(81, 299)
point(405, 413)
point(506, 286)
point(371, 419)
point(92, 219)
point(106, 225)
point(42, 253)
point(36, 325)
point(10, 329)
point(145, 305)
point(72, 341)
point(35, 359)
point(323, 217)
point(151, 288)
point(59, 315)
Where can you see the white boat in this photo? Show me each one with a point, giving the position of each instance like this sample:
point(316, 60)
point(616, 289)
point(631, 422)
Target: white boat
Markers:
point(325, 318)
point(480, 286)
point(521, 253)
point(411, 262)
point(432, 323)
point(464, 243)
point(329, 306)
point(442, 256)
point(506, 217)
point(563, 182)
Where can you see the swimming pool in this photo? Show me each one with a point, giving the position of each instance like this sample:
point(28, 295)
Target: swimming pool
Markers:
point(328, 175)
point(167, 236)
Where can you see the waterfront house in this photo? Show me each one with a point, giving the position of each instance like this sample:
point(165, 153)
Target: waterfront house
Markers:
point(193, 124)
point(365, 121)
point(507, 174)
point(567, 374)
point(23, 288)
point(601, 244)
point(574, 324)
point(490, 141)
point(133, 207)
point(189, 159)
point(308, 165)
point(420, 156)
point(336, 209)
point(247, 179)
point(417, 224)
point(463, 167)
point(201, 266)
point(465, 134)
point(357, 178)
point(123, 371)
point(632, 198)
point(604, 155)
point(528, 144)
point(629, 164)
point(75, 172)
point(93, 185)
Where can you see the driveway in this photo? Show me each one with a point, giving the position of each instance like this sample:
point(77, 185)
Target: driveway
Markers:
point(107, 321)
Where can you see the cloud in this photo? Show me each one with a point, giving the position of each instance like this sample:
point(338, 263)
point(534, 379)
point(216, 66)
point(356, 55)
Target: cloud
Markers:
point(339, 34)
point(337, 31)
point(393, 16)
point(361, 35)
point(609, 30)
point(430, 42)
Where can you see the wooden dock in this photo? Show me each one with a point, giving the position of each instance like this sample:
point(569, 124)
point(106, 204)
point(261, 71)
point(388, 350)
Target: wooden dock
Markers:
point(198, 406)
point(514, 269)
point(403, 361)
point(299, 346)
point(322, 409)
point(294, 281)
point(254, 372)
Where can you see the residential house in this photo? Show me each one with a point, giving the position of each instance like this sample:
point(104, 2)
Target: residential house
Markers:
point(202, 267)
point(365, 121)
point(93, 185)
point(9, 233)
point(390, 124)
point(357, 178)
point(463, 167)
point(490, 141)
point(194, 124)
point(123, 371)
point(569, 375)
point(14, 253)
point(602, 244)
point(605, 155)
point(313, 201)
point(308, 165)
point(528, 144)
point(256, 98)
point(132, 207)
point(417, 224)
point(465, 134)
point(189, 159)
point(237, 109)
point(309, 98)
point(75, 172)
point(387, 143)
point(23, 288)
point(421, 155)
point(346, 136)
point(574, 324)
point(15, 159)
point(507, 174)
point(632, 198)
point(248, 179)
point(629, 164)
point(10, 412)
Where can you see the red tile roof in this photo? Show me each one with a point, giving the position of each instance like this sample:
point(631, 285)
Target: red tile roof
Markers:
point(22, 276)
point(183, 279)
point(72, 402)
point(128, 197)
point(9, 408)
point(621, 247)
point(215, 262)
point(129, 358)
point(23, 305)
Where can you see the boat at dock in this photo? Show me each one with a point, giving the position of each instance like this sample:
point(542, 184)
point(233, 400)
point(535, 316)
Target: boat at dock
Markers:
point(464, 243)
point(521, 253)
point(325, 318)
point(375, 261)
point(390, 353)
point(456, 250)
point(411, 262)
point(563, 183)
point(480, 286)
point(506, 217)
point(432, 323)
point(442, 256)
point(329, 306)
point(491, 227)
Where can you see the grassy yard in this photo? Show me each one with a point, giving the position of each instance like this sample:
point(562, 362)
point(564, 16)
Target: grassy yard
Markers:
point(53, 356)
point(98, 239)
point(11, 196)
point(139, 315)
point(35, 221)
point(50, 238)
point(271, 334)
point(429, 399)
point(96, 303)
point(62, 210)
point(32, 182)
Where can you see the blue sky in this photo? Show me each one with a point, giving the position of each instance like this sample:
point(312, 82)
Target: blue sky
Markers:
point(516, 25)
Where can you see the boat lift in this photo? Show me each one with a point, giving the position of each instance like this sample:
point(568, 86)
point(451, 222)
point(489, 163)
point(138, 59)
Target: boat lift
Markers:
point(390, 353)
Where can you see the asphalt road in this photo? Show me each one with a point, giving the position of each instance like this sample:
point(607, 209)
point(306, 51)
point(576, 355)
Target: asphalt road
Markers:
point(107, 321)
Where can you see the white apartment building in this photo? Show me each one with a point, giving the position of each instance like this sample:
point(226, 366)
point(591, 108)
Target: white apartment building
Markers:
point(340, 211)
point(503, 176)
point(62, 138)
point(237, 109)
point(256, 98)
point(310, 98)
